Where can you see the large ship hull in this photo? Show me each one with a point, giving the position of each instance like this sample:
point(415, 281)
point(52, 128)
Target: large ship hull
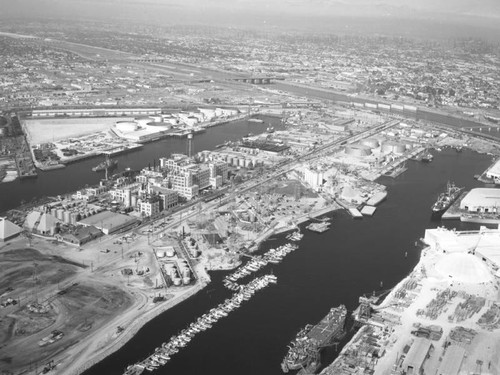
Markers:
point(445, 200)
point(306, 347)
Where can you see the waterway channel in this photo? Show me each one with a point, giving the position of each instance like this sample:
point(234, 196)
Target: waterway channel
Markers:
point(79, 174)
point(328, 269)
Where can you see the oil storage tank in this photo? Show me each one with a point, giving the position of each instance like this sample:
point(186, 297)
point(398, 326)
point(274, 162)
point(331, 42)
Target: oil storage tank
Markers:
point(393, 147)
point(358, 150)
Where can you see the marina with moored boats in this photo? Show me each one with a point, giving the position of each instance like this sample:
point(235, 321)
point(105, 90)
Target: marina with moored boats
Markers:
point(163, 353)
point(272, 256)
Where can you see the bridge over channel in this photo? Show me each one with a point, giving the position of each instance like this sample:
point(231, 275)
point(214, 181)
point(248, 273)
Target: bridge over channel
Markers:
point(258, 80)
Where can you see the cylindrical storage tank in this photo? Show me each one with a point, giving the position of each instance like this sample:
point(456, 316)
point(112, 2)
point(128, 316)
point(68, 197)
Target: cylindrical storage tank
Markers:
point(170, 252)
point(394, 147)
point(387, 147)
point(241, 162)
point(370, 142)
point(176, 280)
point(399, 148)
point(248, 163)
point(60, 214)
point(75, 216)
point(186, 272)
point(235, 161)
point(357, 150)
point(53, 212)
point(186, 280)
point(133, 200)
point(67, 217)
point(169, 269)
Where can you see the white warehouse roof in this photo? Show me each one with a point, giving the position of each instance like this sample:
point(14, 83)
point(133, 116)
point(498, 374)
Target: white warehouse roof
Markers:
point(481, 197)
point(494, 171)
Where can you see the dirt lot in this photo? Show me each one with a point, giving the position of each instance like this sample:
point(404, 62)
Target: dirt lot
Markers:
point(43, 131)
point(24, 269)
point(81, 309)
point(52, 293)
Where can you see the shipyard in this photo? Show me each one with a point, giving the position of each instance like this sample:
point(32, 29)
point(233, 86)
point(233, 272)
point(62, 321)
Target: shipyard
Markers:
point(202, 189)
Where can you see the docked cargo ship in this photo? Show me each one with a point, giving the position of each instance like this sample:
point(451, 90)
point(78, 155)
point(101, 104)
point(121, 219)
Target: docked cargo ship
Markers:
point(107, 164)
point(305, 348)
point(446, 199)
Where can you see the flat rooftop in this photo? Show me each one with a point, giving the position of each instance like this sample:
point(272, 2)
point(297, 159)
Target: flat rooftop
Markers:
point(108, 220)
point(265, 146)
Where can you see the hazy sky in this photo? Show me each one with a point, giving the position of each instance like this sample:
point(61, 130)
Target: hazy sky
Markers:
point(332, 15)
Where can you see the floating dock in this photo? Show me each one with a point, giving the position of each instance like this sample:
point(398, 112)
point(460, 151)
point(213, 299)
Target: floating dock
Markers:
point(355, 213)
point(377, 198)
point(319, 227)
point(368, 210)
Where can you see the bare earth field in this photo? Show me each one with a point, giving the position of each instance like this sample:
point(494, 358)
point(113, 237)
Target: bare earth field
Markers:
point(66, 300)
point(50, 130)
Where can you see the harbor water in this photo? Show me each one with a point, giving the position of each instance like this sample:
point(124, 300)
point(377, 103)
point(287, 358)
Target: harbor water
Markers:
point(79, 174)
point(353, 258)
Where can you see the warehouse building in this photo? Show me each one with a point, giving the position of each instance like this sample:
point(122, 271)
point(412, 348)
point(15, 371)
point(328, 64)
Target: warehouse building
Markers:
point(109, 222)
point(8, 229)
point(482, 200)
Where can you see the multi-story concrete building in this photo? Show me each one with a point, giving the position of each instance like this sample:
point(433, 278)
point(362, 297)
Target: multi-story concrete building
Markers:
point(314, 177)
point(124, 193)
point(150, 207)
point(219, 168)
point(168, 197)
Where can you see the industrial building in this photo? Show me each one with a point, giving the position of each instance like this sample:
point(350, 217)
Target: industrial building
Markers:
point(109, 222)
point(150, 207)
point(314, 177)
point(494, 171)
point(42, 223)
point(8, 230)
point(94, 112)
point(79, 235)
point(476, 255)
point(482, 200)
point(168, 198)
point(270, 148)
point(452, 360)
point(417, 355)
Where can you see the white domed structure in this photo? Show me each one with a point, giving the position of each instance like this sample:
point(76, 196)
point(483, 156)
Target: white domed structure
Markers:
point(463, 267)
point(126, 126)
